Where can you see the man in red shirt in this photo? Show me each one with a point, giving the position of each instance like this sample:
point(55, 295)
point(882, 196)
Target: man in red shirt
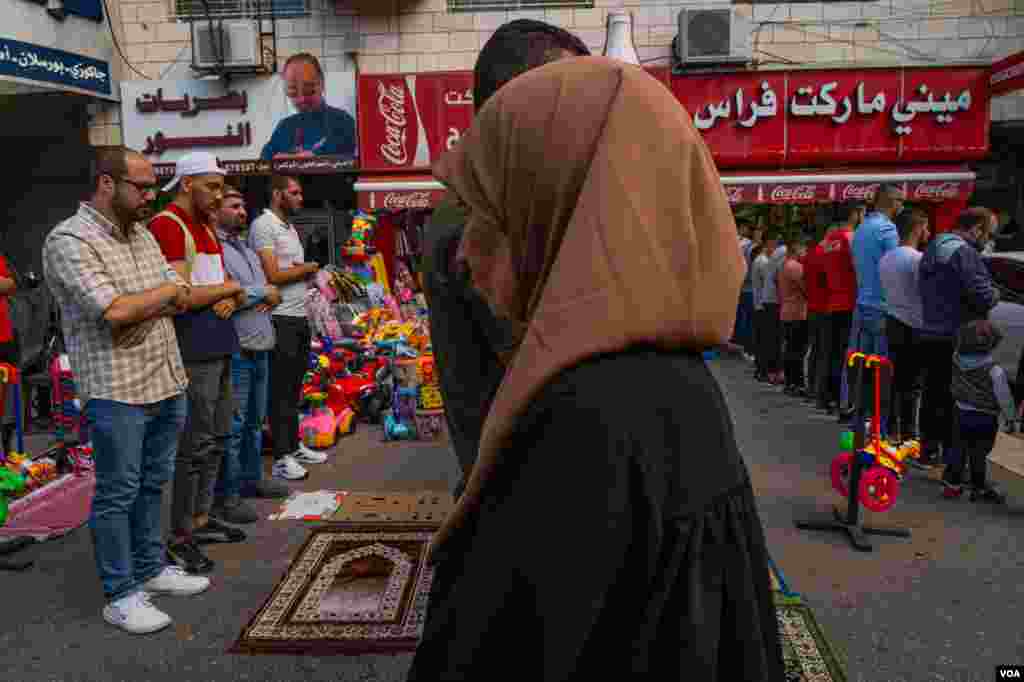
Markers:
point(207, 339)
point(840, 300)
point(816, 288)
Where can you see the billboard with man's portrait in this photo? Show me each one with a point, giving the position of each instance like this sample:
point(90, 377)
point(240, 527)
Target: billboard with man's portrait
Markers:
point(300, 120)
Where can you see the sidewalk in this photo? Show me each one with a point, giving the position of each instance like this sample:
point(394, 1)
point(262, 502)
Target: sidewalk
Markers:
point(50, 622)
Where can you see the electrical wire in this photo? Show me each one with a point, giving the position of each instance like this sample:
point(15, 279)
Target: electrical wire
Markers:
point(113, 35)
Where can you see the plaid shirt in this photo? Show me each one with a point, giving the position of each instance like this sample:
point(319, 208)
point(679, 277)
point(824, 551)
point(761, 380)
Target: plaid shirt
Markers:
point(88, 262)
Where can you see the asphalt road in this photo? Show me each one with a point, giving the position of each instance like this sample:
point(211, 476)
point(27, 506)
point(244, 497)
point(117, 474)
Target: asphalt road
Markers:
point(944, 605)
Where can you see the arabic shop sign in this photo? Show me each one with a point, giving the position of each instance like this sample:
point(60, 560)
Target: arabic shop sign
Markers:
point(45, 65)
point(798, 118)
point(1007, 74)
point(246, 124)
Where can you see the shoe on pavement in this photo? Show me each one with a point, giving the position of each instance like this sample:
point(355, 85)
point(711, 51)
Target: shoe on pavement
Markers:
point(288, 469)
point(188, 556)
point(986, 494)
point(305, 455)
point(234, 511)
point(267, 490)
point(135, 614)
point(173, 580)
point(216, 532)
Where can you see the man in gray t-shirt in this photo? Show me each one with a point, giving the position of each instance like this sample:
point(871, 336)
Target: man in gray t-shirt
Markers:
point(280, 250)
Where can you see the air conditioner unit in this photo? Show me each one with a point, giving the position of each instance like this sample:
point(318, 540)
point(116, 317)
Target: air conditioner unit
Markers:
point(713, 36)
point(234, 43)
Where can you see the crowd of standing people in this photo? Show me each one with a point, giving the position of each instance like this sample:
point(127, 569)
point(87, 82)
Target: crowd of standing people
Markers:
point(880, 284)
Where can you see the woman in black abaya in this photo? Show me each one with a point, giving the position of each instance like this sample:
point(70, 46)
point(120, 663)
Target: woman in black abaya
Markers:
point(608, 528)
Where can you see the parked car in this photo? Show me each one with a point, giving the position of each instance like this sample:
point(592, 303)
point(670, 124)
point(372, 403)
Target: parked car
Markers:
point(1007, 270)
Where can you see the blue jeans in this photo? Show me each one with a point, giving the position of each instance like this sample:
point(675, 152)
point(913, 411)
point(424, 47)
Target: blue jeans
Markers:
point(133, 448)
point(743, 332)
point(242, 467)
point(974, 437)
point(867, 335)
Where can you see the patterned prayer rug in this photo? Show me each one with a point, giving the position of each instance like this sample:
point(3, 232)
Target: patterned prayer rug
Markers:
point(352, 589)
point(807, 653)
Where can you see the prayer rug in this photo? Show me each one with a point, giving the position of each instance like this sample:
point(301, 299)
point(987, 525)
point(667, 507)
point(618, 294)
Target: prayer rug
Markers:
point(352, 589)
point(807, 653)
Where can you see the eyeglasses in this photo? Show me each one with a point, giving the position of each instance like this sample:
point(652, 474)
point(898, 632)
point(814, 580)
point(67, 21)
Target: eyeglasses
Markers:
point(142, 188)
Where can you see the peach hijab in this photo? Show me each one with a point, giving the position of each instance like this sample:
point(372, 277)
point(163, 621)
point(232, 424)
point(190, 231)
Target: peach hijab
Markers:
point(596, 220)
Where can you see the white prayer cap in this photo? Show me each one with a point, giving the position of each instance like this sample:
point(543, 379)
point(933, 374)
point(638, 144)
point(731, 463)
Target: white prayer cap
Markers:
point(195, 163)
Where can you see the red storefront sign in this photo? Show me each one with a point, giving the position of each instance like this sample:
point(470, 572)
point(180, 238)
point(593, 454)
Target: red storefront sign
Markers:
point(769, 119)
point(407, 121)
point(919, 183)
point(804, 193)
point(1007, 75)
point(396, 200)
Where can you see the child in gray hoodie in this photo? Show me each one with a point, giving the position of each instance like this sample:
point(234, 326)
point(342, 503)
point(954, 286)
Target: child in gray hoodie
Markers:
point(982, 393)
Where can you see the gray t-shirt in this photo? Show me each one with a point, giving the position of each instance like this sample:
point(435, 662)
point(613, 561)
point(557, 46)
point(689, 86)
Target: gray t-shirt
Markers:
point(270, 232)
point(770, 294)
point(898, 273)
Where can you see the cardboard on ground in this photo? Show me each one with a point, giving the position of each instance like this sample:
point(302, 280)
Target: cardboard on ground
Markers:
point(429, 506)
point(1006, 465)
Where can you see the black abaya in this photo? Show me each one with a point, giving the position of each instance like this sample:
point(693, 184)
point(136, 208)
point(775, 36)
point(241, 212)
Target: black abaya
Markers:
point(621, 539)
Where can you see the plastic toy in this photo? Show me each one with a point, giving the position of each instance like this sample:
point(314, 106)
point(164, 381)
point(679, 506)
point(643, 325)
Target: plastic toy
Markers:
point(319, 428)
point(885, 463)
point(359, 245)
point(12, 485)
point(396, 430)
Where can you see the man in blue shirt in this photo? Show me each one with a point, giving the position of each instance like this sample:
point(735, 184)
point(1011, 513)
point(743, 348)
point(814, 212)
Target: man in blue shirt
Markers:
point(874, 237)
point(318, 129)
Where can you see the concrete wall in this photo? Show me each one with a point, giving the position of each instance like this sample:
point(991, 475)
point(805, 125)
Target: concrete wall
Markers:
point(423, 36)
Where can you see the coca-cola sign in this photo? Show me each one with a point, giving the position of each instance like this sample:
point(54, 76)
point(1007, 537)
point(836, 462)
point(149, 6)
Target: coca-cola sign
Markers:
point(391, 107)
point(936, 191)
point(791, 194)
point(853, 191)
point(400, 200)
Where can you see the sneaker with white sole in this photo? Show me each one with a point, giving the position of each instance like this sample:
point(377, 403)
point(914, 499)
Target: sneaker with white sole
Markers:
point(135, 614)
point(174, 580)
point(305, 455)
point(288, 469)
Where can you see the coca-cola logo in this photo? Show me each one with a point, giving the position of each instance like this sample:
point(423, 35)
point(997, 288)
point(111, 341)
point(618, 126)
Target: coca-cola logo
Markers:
point(391, 105)
point(735, 193)
point(400, 200)
point(858, 192)
point(937, 190)
point(784, 193)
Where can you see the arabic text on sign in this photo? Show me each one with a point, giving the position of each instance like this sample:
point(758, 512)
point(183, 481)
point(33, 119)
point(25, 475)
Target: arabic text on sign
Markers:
point(723, 110)
point(27, 59)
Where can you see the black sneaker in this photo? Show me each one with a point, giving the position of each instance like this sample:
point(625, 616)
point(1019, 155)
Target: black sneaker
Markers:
point(216, 532)
point(986, 494)
point(189, 558)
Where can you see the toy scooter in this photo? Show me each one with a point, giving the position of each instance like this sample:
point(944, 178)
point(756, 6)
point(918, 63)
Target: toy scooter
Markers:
point(885, 463)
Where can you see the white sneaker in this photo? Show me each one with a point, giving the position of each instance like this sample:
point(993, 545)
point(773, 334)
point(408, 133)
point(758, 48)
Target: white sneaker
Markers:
point(306, 455)
point(136, 615)
point(173, 580)
point(288, 469)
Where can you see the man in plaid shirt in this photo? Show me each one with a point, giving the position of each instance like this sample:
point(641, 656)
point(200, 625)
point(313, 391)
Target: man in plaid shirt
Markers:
point(116, 294)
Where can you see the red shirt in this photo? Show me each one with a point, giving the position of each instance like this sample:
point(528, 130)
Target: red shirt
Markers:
point(172, 241)
point(6, 330)
point(814, 280)
point(840, 276)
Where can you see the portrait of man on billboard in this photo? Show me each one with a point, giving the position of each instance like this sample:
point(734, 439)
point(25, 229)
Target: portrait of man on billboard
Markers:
point(318, 129)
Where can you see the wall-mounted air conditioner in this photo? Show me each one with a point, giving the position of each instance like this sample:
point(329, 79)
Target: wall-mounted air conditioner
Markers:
point(230, 43)
point(713, 36)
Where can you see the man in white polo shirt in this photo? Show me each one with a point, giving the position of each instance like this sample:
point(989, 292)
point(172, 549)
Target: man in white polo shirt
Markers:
point(279, 246)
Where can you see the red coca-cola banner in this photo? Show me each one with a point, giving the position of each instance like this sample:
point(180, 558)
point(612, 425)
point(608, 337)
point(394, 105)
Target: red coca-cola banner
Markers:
point(396, 200)
point(412, 119)
point(778, 119)
point(788, 192)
